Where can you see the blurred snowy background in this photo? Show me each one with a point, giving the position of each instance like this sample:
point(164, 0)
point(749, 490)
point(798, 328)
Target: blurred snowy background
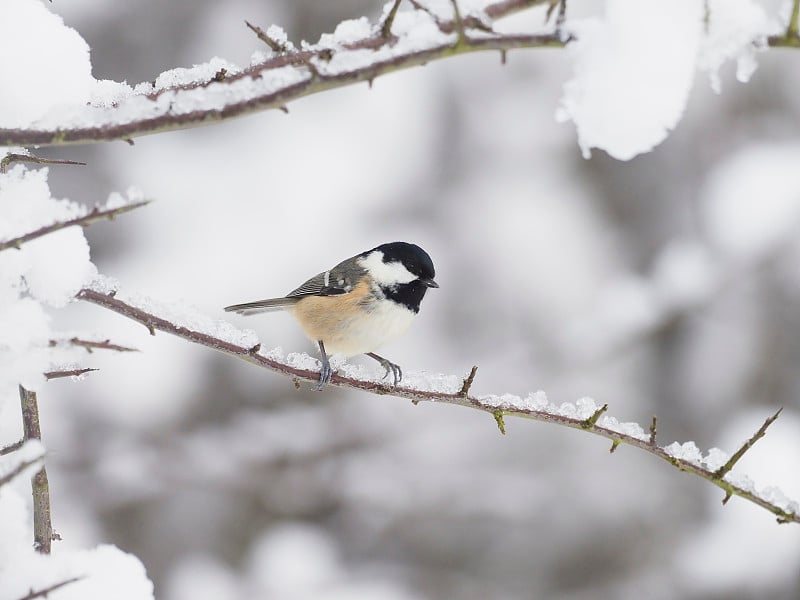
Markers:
point(665, 285)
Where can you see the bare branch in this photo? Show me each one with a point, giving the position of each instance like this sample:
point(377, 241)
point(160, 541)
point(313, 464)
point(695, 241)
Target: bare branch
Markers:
point(68, 373)
point(11, 447)
point(96, 214)
point(468, 382)
point(44, 592)
point(172, 118)
point(497, 408)
point(91, 345)
point(42, 524)
point(13, 157)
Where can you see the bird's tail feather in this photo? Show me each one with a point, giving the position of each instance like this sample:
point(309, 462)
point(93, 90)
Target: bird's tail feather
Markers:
point(261, 306)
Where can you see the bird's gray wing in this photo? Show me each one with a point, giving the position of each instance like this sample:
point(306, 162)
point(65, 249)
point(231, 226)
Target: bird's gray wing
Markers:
point(341, 279)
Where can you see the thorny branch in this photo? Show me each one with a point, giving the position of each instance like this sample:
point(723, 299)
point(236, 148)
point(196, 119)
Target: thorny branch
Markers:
point(462, 397)
point(96, 214)
point(312, 84)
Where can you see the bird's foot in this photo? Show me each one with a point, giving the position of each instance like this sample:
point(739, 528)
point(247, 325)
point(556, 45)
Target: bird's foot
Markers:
point(395, 370)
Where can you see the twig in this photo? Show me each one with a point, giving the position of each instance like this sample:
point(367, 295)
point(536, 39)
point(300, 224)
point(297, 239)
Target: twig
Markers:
point(12, 157)
point(170, 119)
point(20, 468)
point(274, 44)
point(386, 26)
point(114, 303)
point(11, 447)
point(653, 431)
point(42, 523)
point(725, 469)
point(68, 373)
point(462, 36)
point(592, 420)
point(464, 392)
point(791, 28)
point(93, 345)
point(43, 593)
point(96, 214)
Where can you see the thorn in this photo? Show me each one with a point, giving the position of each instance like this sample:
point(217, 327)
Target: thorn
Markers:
point(501, 424)
point(614, 444)
point(369, 82)
point(255, 349)
point(414, 401)
point(503, 54)
point(128, 141)
point(727, 497)
point(274, 44)
point(591, 421)
point(462, 37)
point(653, 432)
point(284, 109)
point(150, 328)
point(220, 75)
point(724, 469)
point(468, 383)
point(386, 26)
point(112, 293)
point(296, 383)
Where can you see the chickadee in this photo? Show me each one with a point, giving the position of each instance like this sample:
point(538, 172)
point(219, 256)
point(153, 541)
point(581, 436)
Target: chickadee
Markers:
point(359, 305)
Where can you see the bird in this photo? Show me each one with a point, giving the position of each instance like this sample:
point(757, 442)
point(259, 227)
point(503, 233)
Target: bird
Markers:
point(359, 305)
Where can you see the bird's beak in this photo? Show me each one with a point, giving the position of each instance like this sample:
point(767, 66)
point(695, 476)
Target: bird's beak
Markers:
point(429, 283)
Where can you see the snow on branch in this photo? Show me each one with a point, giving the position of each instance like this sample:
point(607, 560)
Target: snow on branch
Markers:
point(109, 211)
point(715, 467)
point(358, 51)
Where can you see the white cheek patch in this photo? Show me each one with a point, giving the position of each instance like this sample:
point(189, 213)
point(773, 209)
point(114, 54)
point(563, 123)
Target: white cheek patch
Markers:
point(387, 274)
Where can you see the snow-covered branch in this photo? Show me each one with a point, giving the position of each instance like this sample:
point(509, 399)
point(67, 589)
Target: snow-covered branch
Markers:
point(585, 415)
point(87, 218)
point(357, 52)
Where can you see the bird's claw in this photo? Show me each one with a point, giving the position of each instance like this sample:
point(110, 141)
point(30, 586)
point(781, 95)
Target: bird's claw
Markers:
point(395, 370)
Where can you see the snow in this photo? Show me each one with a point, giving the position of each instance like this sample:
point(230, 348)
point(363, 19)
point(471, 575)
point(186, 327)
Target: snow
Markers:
point(102, 570)
point(633, 72)
point(347, 32)
point(735, 30)
point(40, 275)
point(633, 430)
point(197, 74)
point(634, 66)
point(687, 451)
point(50, 67)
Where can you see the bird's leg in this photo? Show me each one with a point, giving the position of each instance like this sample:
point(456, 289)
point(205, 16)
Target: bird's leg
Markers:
point(396, 371)
point(325, 372)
